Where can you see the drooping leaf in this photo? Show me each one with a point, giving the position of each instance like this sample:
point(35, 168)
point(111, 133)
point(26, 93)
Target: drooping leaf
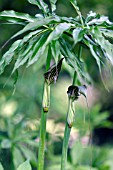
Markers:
point(25, 166)
point(41, 4)
point(12, 16)
point(72, 60)
point(8, 56)
point(38, 49)
point(104, 44)
point(53, 5)
point(95, 56)
point(23, 57)
point(23, 50)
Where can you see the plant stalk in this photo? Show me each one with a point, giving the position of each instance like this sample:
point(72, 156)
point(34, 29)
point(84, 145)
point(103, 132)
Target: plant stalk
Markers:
point(46, 101)
point(67, 128)
point(42, 141)
point(65, 146)
point(78, 12)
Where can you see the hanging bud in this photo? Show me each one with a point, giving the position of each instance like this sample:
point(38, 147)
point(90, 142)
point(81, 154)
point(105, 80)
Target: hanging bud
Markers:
point(46, 97)
point(73, 94)
point(71, 113)
point(52, 74)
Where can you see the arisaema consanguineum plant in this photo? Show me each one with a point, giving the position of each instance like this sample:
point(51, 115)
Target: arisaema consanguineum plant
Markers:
point(52, 37)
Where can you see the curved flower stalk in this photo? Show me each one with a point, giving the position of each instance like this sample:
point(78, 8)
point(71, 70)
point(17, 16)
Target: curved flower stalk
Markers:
point(74, 93)
point(50, 76)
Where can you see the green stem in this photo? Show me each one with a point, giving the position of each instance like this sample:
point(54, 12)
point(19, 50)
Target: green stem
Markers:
point(65, 147)
point(79, 13)
point(42, 141)
point(67, 128)
point(46, 96)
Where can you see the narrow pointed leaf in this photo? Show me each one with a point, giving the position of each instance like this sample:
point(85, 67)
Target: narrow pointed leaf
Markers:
point(8, 56)
point(23, 57)
point(38, 49)
point(13, 16)
point(95, 56)
point(55, 50)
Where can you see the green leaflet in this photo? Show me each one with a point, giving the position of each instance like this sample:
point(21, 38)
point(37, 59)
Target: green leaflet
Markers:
point(53, 6)
point(38, 50)
point(25, 166)
point(106, 46)
point(25, 49)
point(23, 57)
point(94, 53)
point(28, 37)
point(41, 4)
point(95, 56)
point(55, 50)
point(8, 56)
point(12, 16)
point(73, 61)
point(78, 34)
point(58, 31)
